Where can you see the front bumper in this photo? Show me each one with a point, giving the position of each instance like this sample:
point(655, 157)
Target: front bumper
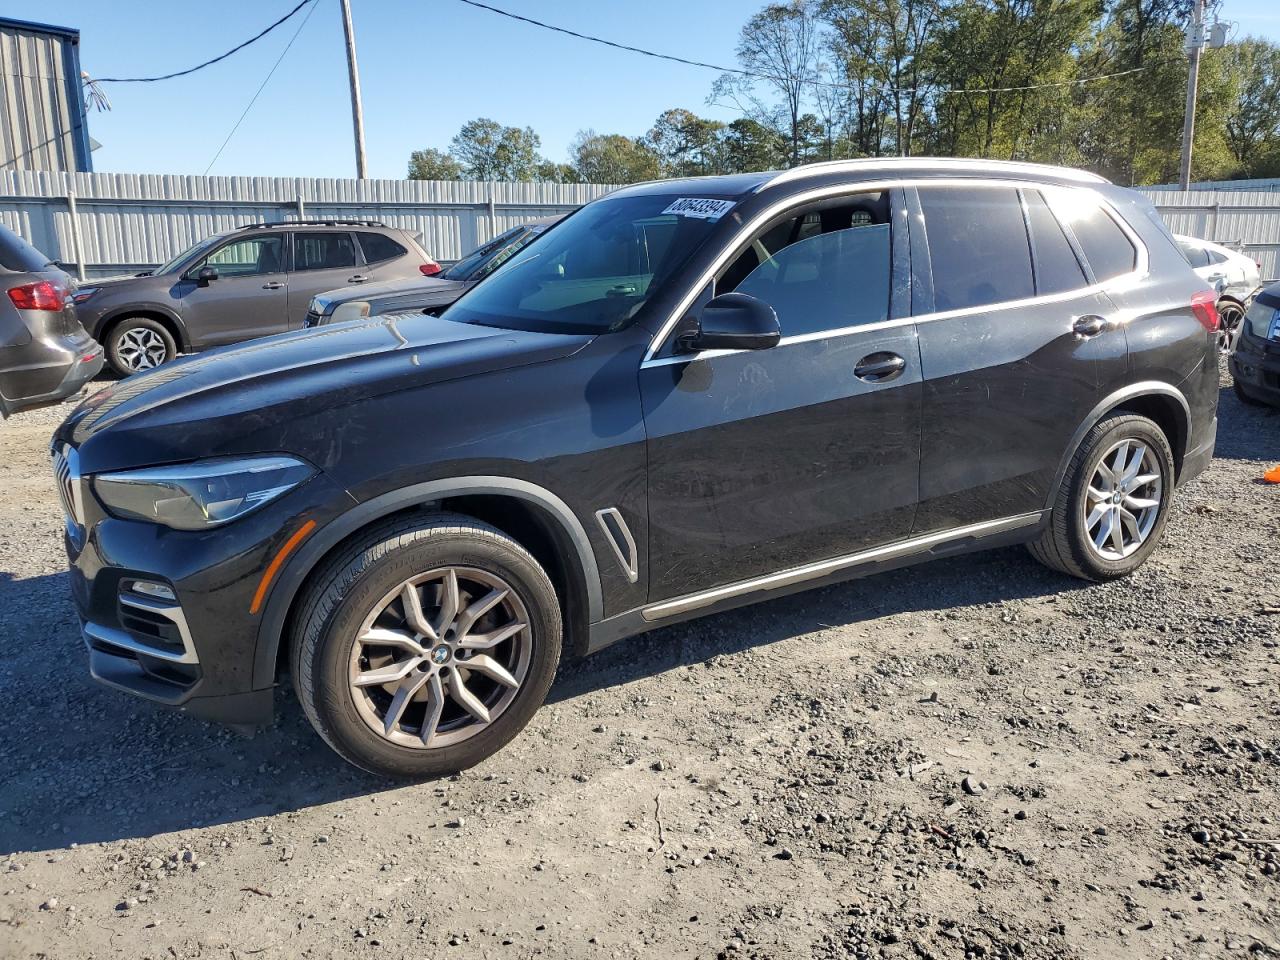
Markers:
point(1255, 366)
point(196, 650)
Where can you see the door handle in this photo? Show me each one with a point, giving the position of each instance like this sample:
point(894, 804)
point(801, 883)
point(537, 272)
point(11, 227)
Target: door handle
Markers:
point(273, 285)
point(1089, 326)
point(879, 367)
point(358, 278)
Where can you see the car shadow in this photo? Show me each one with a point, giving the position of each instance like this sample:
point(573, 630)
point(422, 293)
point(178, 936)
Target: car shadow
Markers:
point(85, 764)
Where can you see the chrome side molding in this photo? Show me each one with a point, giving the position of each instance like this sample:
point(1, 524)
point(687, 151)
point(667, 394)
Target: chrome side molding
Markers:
point(823, 568)
point(619, 536)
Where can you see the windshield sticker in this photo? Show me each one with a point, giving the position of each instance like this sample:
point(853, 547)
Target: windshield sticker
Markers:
point(701, 208)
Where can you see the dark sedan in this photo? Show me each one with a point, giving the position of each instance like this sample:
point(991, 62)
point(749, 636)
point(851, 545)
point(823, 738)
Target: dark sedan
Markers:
point(431, 294)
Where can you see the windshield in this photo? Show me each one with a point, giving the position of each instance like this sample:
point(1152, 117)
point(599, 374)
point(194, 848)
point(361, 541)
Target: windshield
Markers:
point(478, 257)
point(595, 271)
point(199, 248)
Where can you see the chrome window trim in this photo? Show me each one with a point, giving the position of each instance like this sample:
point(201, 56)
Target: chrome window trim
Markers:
point(1140, 271)
point(823, 568)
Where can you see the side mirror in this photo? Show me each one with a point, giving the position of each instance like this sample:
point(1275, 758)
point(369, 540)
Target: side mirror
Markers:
point(206, 275)
point(734, 321)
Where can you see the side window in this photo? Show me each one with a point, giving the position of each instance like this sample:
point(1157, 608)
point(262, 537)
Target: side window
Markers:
point(323, 251)
point(977, 245)
point(1196, 256)
point(1216, 257)
point(1105, 245)
point(247, 257)
point(1056, 267)
point(821, 269)
point(378, 247)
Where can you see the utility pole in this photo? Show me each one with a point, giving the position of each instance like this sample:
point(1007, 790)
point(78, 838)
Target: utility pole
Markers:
point(1195, 42)
point(357, 112)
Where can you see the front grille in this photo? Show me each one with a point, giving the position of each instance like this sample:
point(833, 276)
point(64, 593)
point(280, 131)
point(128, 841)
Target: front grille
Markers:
point(66, 477)
point(312, 319)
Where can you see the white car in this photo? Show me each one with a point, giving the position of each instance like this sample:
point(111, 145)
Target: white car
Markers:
point(1236, 276)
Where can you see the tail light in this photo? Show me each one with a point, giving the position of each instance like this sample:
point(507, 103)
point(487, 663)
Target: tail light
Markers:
point(429, 269)
point(1204, 305)
point(41, 295)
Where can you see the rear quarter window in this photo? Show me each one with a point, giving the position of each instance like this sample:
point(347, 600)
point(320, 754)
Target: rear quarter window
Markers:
point(18, 256)
point(378, 247)
point(1106, 246)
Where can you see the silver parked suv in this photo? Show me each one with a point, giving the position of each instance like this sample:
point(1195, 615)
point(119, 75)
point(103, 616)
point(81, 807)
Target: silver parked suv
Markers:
point(246, 283)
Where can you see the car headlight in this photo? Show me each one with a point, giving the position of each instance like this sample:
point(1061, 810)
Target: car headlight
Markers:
point(83, 293)
point(1264, 321)
point(196, 496)
point(355, 310)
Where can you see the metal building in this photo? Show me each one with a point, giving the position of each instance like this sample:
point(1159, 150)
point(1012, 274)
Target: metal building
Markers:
point(42, 110)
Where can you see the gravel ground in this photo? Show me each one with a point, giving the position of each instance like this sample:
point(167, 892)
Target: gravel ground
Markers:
point(972, 758)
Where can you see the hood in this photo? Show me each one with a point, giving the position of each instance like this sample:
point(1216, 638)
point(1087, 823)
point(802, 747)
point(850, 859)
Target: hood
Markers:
point(428, 287)
point(213, 403)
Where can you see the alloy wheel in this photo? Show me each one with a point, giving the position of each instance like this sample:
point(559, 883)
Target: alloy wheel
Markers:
point(1229, 317)
point(141, 349)
point(1122, 502)
point(440, 657)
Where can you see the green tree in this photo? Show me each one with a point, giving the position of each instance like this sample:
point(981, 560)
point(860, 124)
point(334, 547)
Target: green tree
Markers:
point(1252, 114)
point(778, 48)
point(613, 158)
point(487, 150)
point(432, 164)
point(687, 145)
point(750, 145)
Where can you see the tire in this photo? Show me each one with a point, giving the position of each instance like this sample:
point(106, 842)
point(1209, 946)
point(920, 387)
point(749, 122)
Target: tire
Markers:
point(139, 343)
point(1066, 544)
point(342, 604)
point(1246, 399)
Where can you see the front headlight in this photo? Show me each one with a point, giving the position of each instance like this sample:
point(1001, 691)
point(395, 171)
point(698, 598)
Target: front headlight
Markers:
point(196, 496)
point(355, 310)
point(1264, 321)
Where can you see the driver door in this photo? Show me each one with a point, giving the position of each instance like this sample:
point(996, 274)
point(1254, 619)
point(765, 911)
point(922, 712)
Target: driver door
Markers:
point(762, 460)
point(247, 299)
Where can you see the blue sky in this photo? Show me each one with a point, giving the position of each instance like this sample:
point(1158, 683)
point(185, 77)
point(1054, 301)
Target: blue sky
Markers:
point(427, 66)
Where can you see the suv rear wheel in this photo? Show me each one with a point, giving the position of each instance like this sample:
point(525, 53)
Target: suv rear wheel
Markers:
point(427, 646)
point(1113, 503)
point(139, 343)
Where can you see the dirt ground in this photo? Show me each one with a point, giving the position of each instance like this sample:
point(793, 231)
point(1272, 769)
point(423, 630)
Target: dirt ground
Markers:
point(972, 758)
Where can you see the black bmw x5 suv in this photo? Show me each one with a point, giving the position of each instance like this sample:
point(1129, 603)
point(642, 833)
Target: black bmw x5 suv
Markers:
point(688, 396)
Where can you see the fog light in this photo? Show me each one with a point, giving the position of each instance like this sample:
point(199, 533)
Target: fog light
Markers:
point(159, 591)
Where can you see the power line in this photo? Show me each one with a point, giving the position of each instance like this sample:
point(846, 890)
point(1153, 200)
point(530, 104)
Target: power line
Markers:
point(207, 63)
point(266, 80)
point(955, 91)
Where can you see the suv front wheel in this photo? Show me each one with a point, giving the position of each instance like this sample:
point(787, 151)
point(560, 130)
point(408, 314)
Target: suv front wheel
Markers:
point(426, 646)
point(1113, 503)
point(139, 343)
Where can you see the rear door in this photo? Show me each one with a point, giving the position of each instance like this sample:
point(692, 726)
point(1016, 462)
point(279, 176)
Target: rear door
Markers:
point(249, 297)
point(1016, 344)
point(768, 459)
point(322, 260)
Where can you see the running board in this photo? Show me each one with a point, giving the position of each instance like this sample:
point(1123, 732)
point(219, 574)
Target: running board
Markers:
point(825, 568)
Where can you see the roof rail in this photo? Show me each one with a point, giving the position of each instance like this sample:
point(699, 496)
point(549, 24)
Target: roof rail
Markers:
point(313, 223)
point(937, 163)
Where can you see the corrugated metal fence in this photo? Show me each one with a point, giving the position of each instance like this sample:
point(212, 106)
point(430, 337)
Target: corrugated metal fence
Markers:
point(118, 223)
point(1245, 220)
point(121, 223)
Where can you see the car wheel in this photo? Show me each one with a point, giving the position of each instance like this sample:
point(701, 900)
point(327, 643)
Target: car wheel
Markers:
point(139, 343)
point(426, 646)
point(1113, 503)
point(1245, 398)
point(1230, 314)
